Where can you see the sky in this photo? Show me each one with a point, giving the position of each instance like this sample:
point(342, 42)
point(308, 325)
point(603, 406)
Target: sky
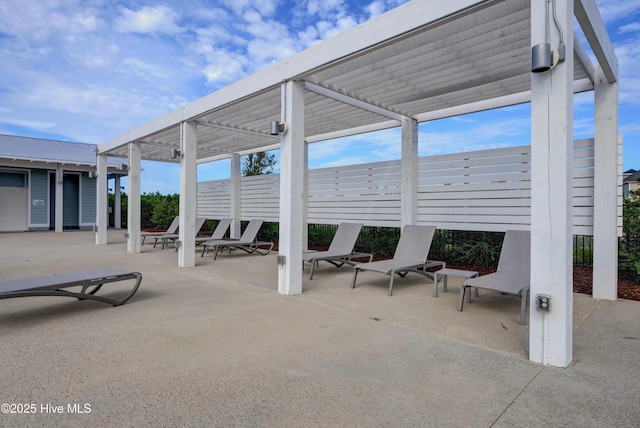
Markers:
point(89, 70)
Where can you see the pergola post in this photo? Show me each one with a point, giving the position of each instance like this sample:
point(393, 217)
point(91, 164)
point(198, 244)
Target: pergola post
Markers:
point(236, 195)
point(117, 209)
point(292, 193)
point(409, 172)
point(605, 192)
point(305, 197)
point(188, 194)
point(59, 208)
point(550, 333)
point(134, 205)
point(102, 201)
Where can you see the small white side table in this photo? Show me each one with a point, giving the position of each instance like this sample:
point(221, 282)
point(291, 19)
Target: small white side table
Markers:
point(466, 274)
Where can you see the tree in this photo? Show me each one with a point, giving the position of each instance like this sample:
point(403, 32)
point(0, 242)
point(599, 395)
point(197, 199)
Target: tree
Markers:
point(258, 164)
point(629, 249)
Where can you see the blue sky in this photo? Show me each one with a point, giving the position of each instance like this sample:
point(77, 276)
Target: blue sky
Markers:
point(88, 70)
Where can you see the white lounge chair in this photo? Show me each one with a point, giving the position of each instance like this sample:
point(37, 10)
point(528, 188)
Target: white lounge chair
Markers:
point(340, 250)
point(172, 229)
point(410, 256)
point(513, 274)
point(175, 236)
point(247, 242)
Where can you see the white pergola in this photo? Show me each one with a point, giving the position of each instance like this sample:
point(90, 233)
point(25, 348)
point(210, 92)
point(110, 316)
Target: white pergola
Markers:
point(419, 62)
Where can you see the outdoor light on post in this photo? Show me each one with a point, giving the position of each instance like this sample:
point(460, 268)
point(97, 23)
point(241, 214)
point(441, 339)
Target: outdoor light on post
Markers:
point(176, 153)
point(277, 128)
point(543, 58)
point(93, 174)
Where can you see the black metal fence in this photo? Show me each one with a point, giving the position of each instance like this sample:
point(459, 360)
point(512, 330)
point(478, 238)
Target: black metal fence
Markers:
point(454, 246)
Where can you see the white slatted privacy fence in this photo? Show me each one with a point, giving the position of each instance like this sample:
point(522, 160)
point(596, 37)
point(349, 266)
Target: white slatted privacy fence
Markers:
point(214, 199)
point(367, 192)
point(260, 197)
point(488, 190)
point(483, 190)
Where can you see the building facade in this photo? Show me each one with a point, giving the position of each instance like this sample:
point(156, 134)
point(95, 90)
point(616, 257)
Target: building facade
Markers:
point(48, 184)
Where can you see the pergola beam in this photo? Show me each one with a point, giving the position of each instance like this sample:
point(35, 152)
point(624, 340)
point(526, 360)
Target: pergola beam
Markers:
point(583, 58)
point(236, 129)
point(588, 16)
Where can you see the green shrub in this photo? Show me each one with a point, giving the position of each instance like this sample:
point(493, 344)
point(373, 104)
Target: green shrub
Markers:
point(629, 244)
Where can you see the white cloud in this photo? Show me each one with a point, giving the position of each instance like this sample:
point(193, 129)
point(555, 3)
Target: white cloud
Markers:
point(612, 10)
point(629, 62)
point(629, 28)
point(263, 7)
point(632, 128)
point(378, 7)
point(157, 19)
point(224, 66)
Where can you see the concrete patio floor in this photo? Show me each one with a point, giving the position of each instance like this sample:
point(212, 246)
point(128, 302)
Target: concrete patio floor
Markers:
point(216, 345)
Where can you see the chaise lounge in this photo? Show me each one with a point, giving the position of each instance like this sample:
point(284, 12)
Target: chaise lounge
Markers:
point(246, 243)
point(165, 238)
point(172, 229)
point(410, 256)
point(513, 274)
point(90, 281)
point(340, 250)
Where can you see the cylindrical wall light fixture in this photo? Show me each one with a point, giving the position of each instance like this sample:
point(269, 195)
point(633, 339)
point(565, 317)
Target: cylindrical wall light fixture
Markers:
point(541, 58)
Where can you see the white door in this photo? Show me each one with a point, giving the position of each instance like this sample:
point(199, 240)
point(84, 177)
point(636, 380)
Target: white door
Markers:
point(14, 198)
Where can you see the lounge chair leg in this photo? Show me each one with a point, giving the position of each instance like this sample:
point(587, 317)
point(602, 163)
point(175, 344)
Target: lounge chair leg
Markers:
point(313, 268)
point(523, 306)
point(393, 273)
point(355, 274)
point(463, 290)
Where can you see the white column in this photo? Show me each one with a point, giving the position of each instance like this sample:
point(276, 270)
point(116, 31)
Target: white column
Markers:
point(291, 190)
point(134, 209)
point(117, 209)
point(236, 195)
point(59, 208)
point(305, 199)
point(188, 194)
point(409, 168)
point(605, 192)
point(102, 201)
point(550, 334)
